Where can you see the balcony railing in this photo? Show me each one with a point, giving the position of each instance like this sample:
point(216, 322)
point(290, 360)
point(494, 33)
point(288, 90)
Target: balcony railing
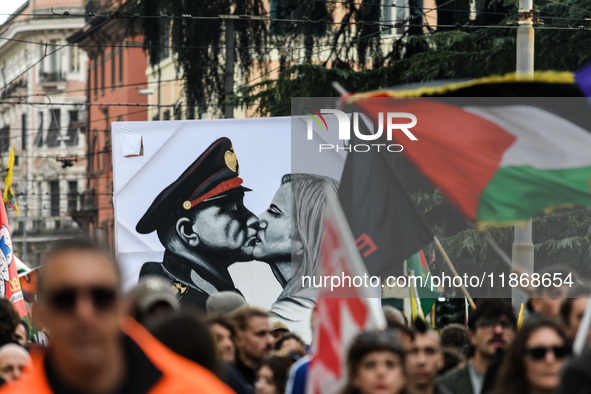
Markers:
point(86, 201)
point(52, 76)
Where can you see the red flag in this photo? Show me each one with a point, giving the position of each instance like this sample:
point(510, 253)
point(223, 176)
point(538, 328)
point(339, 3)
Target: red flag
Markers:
point(10, 286)
point(343, 311)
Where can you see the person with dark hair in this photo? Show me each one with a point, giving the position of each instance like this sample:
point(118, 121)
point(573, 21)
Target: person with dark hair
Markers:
point(272, 372)
point(253, 340)
point(186, 334)
point(455, 336)
point(93, 348)
point(491, 328)
point(279, 329)
point(576, 378)
point(546, 300)
point(9, 320)
point(289, 341)
point(22, 334)
point(424, 361)
point(452, 359)
point(289, 241)
point(202, 222)
point(572, 310)
point(223, 332)
point(534, 361)
point(375, 364)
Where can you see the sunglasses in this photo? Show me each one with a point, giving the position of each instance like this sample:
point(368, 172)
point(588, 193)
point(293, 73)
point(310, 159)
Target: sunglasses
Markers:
point(539, 353)
point(65, 300)
point(491, 323)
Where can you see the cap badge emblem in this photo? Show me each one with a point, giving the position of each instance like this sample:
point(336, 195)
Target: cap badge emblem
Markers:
point(231, 160)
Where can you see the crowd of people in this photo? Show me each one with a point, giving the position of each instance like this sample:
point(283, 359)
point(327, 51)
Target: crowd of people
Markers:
point(145, 341)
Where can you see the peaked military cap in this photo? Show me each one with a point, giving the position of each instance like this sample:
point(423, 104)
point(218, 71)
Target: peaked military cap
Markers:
point(213, 175)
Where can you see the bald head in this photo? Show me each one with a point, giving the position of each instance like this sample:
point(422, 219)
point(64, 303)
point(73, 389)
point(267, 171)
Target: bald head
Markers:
point(14, 360)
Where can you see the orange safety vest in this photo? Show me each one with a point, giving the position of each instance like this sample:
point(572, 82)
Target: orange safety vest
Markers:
point(179, 375)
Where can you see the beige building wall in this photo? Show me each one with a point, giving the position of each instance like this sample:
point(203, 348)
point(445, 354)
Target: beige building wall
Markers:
point(49, 126)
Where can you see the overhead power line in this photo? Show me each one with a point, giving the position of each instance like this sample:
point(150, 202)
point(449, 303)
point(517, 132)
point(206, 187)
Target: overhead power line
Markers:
point(85, 104)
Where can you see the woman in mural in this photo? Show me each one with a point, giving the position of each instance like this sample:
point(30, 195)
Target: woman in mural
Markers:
point(289, 239)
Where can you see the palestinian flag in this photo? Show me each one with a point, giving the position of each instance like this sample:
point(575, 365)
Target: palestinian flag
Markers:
point(498, 160)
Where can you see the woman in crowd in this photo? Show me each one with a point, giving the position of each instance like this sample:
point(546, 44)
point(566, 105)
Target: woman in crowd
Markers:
point(223, 332)
point(186, 333)
point(376, 364)
point(535, 359)
point(289, 341)
point(289, 240)
point(272, 372)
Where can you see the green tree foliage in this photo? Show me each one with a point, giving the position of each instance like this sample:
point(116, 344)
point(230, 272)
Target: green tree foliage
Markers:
point(359, 60)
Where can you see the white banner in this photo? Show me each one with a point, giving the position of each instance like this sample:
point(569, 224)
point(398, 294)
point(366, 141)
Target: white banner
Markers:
point(159, 179)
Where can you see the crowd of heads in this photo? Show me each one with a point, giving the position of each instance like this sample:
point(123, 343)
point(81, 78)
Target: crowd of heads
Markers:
point(81, 307)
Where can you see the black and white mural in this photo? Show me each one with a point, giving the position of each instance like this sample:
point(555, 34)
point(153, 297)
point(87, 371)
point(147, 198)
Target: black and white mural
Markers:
point(217, 205)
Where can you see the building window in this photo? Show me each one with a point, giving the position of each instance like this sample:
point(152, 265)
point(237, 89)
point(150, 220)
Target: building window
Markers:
point(24, 132)
point(74, 58)
point(72, 196)
point(53, 133)
point(113, 55)
point(95, 151)
point(4, 138)
point(39, 136)
point(120, 66)
point(54, 192)
point(40, 205)
point(95, 87)
point(72, 137)
point(51, 64)
point(286, 9)
point(92, 156)
point(102, 66)
point(165, 43)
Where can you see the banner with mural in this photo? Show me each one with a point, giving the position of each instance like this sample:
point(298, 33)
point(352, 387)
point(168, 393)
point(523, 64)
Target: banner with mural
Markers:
point(207, 205)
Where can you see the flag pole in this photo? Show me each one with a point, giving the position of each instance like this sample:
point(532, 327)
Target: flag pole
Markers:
point(581, 336)
point(342, 91)
point(491, 242)
point(506, 259)
point(339, 88)
point(453, 271)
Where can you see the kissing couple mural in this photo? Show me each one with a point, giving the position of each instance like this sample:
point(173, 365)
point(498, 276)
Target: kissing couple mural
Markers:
point(196, 226)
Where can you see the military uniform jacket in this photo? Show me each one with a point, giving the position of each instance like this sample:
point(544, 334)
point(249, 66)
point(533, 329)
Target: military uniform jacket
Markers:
point(186, 292)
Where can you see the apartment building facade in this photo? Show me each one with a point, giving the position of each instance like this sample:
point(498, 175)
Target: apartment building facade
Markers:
point(116, 75)
point(42, 116)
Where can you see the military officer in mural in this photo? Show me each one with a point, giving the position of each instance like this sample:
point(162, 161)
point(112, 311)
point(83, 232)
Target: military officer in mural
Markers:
point(203, 225)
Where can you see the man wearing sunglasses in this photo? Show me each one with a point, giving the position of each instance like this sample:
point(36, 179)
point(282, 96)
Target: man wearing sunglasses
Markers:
point(491, 329)
point(203, 225)
point(93, 348)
